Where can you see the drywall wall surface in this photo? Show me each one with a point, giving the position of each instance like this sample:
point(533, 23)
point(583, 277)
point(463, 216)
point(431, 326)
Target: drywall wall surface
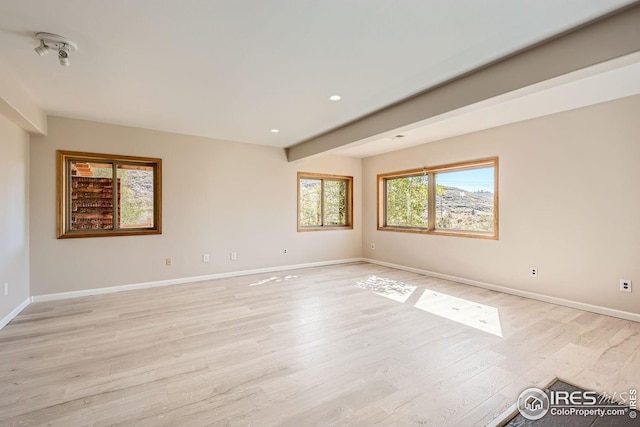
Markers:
point(218, 197)
point(569, 206)
point(17, 105)
point(14, 216)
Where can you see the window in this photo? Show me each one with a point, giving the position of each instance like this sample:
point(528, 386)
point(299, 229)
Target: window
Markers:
point(90, 205)
point(407, 204)
point(458, 200)
point(325, 202)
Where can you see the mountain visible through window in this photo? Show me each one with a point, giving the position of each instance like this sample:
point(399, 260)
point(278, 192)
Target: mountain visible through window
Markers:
point(458, 199)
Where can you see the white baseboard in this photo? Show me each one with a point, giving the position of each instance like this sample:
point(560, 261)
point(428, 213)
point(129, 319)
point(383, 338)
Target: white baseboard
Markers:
point(626, 315)
point(9, 317)
point(145, 285)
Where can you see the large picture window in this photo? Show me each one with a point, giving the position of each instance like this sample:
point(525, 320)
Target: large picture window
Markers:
point(459, 199)
point(324, 202)
point(108, 195)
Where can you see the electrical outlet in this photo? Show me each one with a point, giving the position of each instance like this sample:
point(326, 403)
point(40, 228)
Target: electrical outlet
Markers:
point(234, 256)
point(533, 272)
point(168, 262)
point(285, 251)
point(205, 258)
point(373, 246)
point(6, 288)
point(625, 285)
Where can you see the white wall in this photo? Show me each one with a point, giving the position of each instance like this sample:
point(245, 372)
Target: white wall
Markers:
point(569, 205)
point(218, 197)
point(14, 215)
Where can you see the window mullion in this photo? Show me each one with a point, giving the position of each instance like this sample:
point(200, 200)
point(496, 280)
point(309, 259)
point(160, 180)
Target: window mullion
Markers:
point(115, 195)
point(431, 202)
point(385, 195)
point(322, 203)
point(68, 190)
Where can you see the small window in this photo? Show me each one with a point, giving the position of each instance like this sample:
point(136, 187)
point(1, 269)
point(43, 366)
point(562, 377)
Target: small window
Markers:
point(107, 195)
point(459, 200)
point(324, 202)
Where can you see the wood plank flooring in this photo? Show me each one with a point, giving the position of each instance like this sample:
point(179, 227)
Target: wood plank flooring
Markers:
point(308, 347)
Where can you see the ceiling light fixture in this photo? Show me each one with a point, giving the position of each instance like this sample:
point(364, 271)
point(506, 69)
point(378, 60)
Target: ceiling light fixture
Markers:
point(63, 56)
point(335, 98)
point(50, 41)
point(275, 130)
point(43, 49)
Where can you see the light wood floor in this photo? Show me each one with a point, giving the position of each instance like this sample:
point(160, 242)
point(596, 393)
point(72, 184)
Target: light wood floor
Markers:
point(300, 348)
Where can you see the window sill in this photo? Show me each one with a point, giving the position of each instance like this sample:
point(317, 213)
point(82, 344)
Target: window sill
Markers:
point(108, 233)
point(326, 228)
point(454, 233)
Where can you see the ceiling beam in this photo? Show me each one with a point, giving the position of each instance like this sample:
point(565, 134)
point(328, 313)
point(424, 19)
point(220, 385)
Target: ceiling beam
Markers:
point(607, 38)
point(18, 106)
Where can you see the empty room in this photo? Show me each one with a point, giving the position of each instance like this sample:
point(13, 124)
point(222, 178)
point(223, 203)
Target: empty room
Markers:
point(319, 213)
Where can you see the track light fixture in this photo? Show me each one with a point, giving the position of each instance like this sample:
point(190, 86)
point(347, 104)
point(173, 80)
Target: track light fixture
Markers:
point(63, 56)
point(43, 49)
point(50, 41)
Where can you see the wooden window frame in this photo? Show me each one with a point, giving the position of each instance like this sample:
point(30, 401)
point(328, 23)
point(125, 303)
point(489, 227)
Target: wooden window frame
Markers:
point(64, 159)
point(349, 201)
point(431, 202)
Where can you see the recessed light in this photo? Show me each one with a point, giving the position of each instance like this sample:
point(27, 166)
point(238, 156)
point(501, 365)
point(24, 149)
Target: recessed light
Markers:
point(335, 98)
point(275, 130)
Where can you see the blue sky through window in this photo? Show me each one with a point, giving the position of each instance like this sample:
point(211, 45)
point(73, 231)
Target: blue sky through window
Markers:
point(470, 180)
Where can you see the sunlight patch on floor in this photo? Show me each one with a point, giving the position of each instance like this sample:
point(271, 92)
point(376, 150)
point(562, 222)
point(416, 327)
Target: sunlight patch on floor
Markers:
point(274, 279)
point(388, 288)
point(479, 316)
